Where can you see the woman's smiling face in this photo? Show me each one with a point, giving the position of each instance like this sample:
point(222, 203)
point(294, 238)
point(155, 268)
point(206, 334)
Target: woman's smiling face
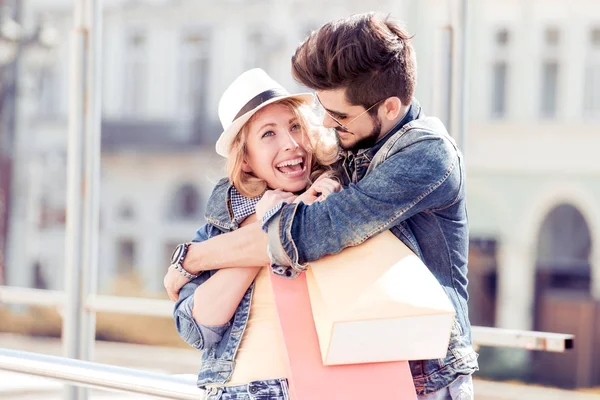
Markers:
point(275, 149)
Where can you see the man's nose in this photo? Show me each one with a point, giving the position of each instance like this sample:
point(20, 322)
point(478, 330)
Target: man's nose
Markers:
point(329, 122)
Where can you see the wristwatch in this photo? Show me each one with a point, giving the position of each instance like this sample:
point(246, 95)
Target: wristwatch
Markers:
point(177, 260)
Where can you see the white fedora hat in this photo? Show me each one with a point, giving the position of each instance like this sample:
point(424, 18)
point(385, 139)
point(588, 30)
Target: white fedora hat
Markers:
point(250, 92)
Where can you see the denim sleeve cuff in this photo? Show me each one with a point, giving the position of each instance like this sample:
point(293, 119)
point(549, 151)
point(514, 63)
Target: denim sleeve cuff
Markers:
point(270, 214)
point(281, 263)
point(198, 336)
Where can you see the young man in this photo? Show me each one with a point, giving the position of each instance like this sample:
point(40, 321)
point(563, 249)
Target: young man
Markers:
point(401, 170)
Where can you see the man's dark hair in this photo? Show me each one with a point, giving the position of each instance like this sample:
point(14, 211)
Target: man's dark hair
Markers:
point(367, 54)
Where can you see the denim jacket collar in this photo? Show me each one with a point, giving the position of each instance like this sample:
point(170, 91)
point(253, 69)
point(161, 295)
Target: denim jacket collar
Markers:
point(414, 112)
point(216, 214)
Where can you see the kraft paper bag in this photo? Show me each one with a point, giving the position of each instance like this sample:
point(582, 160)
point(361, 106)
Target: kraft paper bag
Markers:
point(309, 379)
point(378, 302)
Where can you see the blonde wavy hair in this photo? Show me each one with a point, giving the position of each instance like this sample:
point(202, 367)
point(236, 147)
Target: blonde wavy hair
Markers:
point(319, 141)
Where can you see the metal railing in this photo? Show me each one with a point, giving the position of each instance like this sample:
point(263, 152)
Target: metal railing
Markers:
point(529, 340)
point(482, 336)
point(100, 376)
point(109, 377)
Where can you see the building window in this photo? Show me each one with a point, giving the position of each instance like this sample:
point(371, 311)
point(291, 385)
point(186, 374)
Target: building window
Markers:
point(193, 82)
point(186, 204)
point(591, 103)
point(48, 92)
point(550, 73)
point(552, 37)
point(125, 212)
point(39, 277)
point(499, 89)
point(136, 69)
point(126, 256)
point(595, 38)
point(47, 174)
point(549, 89)
point(564, 249)
point(499, 72)
point(502, 37)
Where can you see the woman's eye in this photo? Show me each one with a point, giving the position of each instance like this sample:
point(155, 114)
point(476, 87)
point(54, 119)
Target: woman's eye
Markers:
point(295, 127)
point(267, 134)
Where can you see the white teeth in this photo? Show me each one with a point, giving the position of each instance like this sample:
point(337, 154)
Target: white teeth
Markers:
point(292, 173)
point(289, 162)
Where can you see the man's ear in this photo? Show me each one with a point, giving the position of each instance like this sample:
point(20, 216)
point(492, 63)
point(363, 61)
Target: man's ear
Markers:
point(246, 167)
point(391, 108)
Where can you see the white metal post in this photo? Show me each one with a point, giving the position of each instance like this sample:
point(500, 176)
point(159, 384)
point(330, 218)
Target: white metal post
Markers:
point(92, 171)
point(463, 76)
point(83, 184)
point(75, 165)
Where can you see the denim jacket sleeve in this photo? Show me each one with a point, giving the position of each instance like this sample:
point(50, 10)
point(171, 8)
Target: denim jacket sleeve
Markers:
point(425, 175)
point(196, 335)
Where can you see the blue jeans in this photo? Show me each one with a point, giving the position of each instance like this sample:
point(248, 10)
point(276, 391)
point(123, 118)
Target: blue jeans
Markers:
point(460, 389)
point(274, 389)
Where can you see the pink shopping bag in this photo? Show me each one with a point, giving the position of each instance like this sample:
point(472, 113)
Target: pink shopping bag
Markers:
point(309, 379)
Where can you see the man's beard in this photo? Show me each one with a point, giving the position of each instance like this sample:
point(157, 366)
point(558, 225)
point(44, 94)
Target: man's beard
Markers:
point(366, 142)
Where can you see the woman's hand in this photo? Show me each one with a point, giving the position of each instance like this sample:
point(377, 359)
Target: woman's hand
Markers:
point(319, 190)
point(270, 199)
point(173, 282)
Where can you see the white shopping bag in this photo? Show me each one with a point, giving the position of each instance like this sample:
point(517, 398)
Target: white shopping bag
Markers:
point(378, 302)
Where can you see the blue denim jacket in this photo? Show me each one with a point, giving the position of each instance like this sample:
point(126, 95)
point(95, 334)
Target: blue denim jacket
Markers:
point(411, 182)
point(219, 343)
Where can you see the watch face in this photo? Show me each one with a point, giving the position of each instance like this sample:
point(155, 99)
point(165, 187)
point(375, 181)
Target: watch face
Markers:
point(176, 254)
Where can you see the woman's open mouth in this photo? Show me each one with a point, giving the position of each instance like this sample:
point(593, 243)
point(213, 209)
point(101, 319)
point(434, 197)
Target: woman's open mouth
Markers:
point(293, 167)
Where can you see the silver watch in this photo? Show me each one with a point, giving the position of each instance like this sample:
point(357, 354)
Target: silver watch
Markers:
point(177, 260)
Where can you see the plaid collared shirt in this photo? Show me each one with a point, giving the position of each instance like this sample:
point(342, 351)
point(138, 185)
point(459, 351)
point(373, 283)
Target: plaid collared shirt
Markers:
point(242, 206)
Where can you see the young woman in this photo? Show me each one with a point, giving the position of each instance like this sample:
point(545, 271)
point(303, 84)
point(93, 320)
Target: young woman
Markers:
point(271, 141)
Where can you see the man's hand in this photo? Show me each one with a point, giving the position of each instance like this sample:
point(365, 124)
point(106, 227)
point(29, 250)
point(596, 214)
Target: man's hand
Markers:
point(173, 283)
point(270, 199)
point(319, 190)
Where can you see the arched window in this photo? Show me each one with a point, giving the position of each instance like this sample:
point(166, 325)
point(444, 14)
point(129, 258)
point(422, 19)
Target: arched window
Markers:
point(562, 293)
point(564, 249)
point(186, 204)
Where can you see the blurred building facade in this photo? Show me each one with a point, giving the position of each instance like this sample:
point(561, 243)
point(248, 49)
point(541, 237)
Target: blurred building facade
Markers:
point(534, 182)
point(533, 130)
